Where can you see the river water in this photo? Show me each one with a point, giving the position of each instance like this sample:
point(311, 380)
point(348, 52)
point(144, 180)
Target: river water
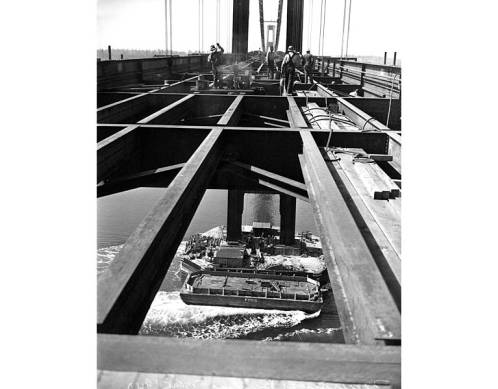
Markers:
point(120, 214)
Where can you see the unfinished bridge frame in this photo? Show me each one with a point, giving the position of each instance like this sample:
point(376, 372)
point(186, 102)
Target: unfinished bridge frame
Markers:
point(169, 134)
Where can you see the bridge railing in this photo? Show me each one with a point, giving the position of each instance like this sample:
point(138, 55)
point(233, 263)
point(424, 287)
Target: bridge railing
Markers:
point(154, 70)
point(376, 80)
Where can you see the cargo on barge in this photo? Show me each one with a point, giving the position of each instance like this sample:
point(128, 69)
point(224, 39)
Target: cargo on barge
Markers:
point(244, 288)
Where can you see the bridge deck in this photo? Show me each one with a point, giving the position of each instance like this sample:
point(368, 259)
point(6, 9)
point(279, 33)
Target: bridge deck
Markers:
point(187, 141)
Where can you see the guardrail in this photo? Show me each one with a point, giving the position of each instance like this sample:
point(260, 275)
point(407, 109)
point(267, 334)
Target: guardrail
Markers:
point(254, 293)
point(375, 80)
point(116, 73)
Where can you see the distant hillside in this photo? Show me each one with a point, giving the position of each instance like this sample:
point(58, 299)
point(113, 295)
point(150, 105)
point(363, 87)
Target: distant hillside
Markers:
point(134, 53)
point(377, 59)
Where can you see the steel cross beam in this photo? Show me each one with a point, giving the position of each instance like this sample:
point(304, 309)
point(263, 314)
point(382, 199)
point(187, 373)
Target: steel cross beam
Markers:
point(122, 146)
point(337, 363)
point(127, 288)
point(136, 180)
point(366, 307)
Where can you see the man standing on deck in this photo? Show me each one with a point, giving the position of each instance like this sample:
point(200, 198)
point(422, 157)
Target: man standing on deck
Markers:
point(309, 64)
point(270, 60)
point(216, 59)
point(288, 69)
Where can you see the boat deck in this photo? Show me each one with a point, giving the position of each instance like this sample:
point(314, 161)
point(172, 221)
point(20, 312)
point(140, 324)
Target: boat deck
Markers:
point(253, 284)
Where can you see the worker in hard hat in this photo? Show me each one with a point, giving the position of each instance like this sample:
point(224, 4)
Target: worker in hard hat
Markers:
point(216, 59)
point(309, 64)
point(289, 63)
point(270, 61)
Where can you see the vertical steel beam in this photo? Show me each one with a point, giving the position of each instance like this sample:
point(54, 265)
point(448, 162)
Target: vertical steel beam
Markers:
point(394, 59)
point(240, 31)
point(295, 24)
point(287, 219)
point(109, 51)
point(234, 214)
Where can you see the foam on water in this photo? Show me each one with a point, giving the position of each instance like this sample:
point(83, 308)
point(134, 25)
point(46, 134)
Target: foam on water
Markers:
point(303, 332)
point(170, 316)
point(215, 232)
point(298, 263)
point(105, 256)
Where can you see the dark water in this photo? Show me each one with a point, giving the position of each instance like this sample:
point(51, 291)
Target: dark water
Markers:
point(120, 214)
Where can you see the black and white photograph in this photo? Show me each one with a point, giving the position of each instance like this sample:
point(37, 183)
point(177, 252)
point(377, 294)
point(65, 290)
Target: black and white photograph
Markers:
point(249, 195)
point(213, 194)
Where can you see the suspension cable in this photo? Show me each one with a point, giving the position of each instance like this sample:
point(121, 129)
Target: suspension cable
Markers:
point(310, 25)
point(323, 28)
point(262, 25)
point(229, 30)
point(349, 21)
point(279, 20)
point(343, 28)
point(170, 28)
point(166, 26)
point(217, 20)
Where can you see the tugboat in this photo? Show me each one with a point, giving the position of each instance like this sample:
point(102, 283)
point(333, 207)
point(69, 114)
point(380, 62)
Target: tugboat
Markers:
point(247, 288)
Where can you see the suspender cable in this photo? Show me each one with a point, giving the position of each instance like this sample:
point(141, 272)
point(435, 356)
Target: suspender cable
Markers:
point(323, 28)
point(217, 20)
point(262, 25)
point(170, 28)
point(166, 39)
point(199, 24)
point(320, 33)
point(343, 27)
point(310, 25)
point(202, 24)
point(349, 22)
point(279, 20)
point(227, 45)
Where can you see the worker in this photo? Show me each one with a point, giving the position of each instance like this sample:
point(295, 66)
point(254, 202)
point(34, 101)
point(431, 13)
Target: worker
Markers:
point(270, 60)
point(216, 59)
point(291, 58)
point(309, 64)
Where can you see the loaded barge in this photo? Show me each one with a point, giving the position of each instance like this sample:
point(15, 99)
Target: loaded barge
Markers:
point(245, 288)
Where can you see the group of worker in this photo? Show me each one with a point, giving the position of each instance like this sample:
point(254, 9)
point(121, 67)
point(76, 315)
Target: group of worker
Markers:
point(291, 60)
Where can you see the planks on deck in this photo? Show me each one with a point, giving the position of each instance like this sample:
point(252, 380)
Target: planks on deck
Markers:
point(366, 298)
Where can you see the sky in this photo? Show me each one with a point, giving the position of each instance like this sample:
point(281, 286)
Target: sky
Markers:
point(139, 24)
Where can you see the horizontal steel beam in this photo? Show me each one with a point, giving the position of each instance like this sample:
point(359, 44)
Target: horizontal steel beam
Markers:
point(232, 114)
point(349, 260)
point(127, 288)
point(299, 361)
point(274, 176)
point(135, 180)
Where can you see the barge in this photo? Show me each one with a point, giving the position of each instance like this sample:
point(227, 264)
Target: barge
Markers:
point(246, 288)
